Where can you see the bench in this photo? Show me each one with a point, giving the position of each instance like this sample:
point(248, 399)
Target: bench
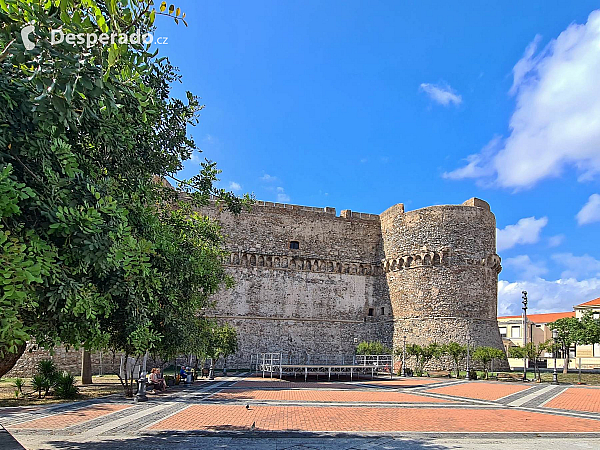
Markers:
point(438, 373)
point(510, 376)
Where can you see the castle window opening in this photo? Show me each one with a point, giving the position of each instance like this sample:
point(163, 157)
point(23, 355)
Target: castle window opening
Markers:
point(371, 311)
point(294, 245)
point(382, 310)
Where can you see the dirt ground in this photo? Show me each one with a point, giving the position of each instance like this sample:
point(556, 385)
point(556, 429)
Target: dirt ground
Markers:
point(101, 386)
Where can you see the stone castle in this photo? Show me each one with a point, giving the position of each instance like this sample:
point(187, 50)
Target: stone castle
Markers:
point(311, 284)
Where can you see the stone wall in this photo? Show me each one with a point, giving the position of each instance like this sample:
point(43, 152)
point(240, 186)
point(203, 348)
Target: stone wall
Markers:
point(442, 272)
point(310, 303)
point(65, 359)
point(430, 274)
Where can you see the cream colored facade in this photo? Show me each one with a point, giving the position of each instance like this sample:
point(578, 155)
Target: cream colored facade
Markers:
point(511, 329)
point(589, 354)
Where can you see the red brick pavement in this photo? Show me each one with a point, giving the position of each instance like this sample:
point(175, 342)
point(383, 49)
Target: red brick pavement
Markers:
point(64, 420)
point(258, 383)
point(367, 419)
point(410, 381)
point(578, 399)
point(480, 390)
point(324, 396)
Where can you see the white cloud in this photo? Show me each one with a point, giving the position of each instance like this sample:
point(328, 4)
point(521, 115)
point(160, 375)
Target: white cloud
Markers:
point(195, 158)
point(546, 295)
point(282, 197)
point(590, 212)
point(555, 241)
point(268, 178)
point(555, 123)
point(444, 95)
point(235, 186)
point(577, 266)
point(525, 231)
point(525, 267)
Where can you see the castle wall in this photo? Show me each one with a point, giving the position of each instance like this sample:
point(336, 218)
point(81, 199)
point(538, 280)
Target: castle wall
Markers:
point(429, 274)
point(311, 303)
point(442, 271)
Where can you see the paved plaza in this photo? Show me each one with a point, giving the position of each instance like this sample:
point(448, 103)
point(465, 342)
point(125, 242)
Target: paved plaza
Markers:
point(252, 412)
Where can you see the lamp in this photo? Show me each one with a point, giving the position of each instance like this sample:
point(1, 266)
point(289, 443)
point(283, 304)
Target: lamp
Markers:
point(554, 372)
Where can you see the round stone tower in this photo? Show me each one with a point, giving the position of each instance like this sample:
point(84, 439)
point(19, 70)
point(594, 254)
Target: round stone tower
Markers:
point(442, 271)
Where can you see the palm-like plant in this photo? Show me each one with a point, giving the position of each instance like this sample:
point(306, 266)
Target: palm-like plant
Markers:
point(40, 383)
point(64, 386)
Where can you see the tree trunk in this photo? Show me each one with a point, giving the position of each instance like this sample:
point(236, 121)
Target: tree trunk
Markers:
point(86, 367)
point(9, 360)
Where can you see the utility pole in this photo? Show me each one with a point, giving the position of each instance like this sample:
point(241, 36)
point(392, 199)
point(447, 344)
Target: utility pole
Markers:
point(524, 335)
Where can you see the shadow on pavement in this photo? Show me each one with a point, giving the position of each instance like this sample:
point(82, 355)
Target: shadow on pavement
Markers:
point(249, 440)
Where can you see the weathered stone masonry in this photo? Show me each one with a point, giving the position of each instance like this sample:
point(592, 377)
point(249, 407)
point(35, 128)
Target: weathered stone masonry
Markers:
point(429, 274)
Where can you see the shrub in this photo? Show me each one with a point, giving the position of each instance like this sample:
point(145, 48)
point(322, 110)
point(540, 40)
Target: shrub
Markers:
point(64, 386)
point(372, 348)
point(19, 383)
point(47, 369)
point(40, 383)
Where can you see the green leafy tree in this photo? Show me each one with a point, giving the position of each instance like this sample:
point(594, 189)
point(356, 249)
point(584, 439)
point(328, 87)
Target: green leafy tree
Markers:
point(589, 331)
point(423, 354)
point(569, 331)
point(372, 348)
point(96, 251)
point(486, 355)
point(457, 352)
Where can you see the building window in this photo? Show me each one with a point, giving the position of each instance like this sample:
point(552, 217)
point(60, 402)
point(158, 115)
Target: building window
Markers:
point(502, 331)
point(370, 312)
point(515, 332)
point(382, 311)
point(596, 316)
point(294, 245)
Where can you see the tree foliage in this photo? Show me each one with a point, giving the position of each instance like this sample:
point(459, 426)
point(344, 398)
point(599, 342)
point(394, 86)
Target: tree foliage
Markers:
point(423, 354)
point(95, 249)
point(457, 352)
point(486, 355)
point(568, 331)
point(372, 348)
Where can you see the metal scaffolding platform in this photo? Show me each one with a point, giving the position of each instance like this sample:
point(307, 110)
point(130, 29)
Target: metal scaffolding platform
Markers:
point(272, 363)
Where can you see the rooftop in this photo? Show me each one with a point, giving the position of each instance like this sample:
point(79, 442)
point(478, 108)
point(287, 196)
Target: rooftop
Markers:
point(595, 302)
point(543, 318)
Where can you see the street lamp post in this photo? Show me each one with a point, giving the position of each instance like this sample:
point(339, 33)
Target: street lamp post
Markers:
point(554, 372)
point(525, 335)
point(141, 393)
point(468, 378)
point(404, 356)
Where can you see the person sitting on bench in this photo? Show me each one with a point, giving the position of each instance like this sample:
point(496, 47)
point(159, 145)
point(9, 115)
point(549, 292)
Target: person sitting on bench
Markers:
point(156, 380)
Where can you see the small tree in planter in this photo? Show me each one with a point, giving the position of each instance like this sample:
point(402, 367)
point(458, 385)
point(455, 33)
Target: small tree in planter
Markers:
point(422, 355)
point(457, 352)
point(486, 355)
point(372, 348)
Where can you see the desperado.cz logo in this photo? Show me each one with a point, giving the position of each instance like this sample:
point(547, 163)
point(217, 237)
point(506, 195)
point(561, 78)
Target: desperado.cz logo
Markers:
point(91, 39)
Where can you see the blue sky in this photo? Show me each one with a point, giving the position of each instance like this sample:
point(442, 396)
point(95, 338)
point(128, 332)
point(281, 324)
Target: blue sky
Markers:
point(364, 104)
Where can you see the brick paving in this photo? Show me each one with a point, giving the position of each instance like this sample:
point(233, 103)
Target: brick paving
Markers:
point(306, 395)
point(390, 407)
point(370, 419)
point(407, 382)
point(67, 419)
point(480, 390)
point(577, 399)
